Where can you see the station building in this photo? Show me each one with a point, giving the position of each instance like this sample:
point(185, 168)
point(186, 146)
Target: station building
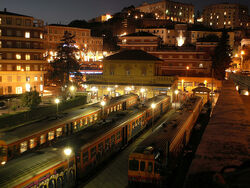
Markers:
point(130, 71)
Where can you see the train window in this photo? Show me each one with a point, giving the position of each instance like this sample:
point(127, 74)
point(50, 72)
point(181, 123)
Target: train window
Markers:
point(93, 152)
point(112, 140)
point(51, 135)
point(133, 125)
point(118, 135)
point(118, 107)
point(108, 111)
point(100, 147)
point(91, 119)
point(86, 121)
point(85, 156)
point(23, 146)
point(58, 132)
point(81, 123)
point(42, 139)
point(142, 166)
point(114, 108)
point(133, 165)
point(111, 109)
point(150, 167)
point(95, 118)
point(107, 144)
point(32, 143)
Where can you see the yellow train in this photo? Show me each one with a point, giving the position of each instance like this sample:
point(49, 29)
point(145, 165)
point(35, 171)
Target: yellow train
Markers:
point(154, 158)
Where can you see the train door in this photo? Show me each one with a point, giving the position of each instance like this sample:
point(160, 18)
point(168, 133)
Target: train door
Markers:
point(67, 129)
point(124, 105)
point(125, 135)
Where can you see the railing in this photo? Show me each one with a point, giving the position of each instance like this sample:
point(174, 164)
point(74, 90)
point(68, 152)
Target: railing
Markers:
point(131, 79)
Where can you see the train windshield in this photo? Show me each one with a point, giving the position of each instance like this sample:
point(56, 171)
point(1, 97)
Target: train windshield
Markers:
point(2, 151)
point(133, 165)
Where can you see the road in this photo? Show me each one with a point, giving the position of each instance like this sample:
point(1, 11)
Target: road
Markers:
point(115, 173)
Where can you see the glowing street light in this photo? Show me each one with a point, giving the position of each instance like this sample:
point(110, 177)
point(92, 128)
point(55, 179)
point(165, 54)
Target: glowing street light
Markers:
point(103, 103)
point(176, 93)
point(72, 88)
point(153, 105)
point(67, 151)
point(57, 101)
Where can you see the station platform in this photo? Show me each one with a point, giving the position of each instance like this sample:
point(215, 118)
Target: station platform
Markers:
point(222, 158)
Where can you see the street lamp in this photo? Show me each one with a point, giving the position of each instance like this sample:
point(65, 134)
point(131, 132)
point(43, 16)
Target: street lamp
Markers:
point(241, 58)
point(153, 105)
point(176, 93)
point(67, 152)
point(57, 101)
point(187, 68)
point(103, 103)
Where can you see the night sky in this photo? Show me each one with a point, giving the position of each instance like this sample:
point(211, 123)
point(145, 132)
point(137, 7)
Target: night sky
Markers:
point(64, 11)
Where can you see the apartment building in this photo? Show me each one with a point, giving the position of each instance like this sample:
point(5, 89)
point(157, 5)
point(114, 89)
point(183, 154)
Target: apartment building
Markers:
point(226, 15)
point(21, 53)
point(83, 38)
point(170, 10)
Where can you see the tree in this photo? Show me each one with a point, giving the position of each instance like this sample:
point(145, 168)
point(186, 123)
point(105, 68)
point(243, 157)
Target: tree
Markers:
point(31, 99)
point(222, 56)
point(66, 63)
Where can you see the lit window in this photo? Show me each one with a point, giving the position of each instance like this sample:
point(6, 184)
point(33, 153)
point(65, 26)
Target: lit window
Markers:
point(27, 86)
point(18, 56)
point(0, 44)
point(32, 143)
point(229, 22)
point(42, 139)
point(0, 21)
point(0, 32)
point(27, 35)
point(217, 17)
point(18, 67)
point(58, 132)
point(41, 87)
point(27, 56)
point(27, 68)
point(211, 23)
point(200, 65)
point(51, 135)
point(35, 78)
point(225, 13)
point(19, 90)
point(23, 147)
point(225, 23)
point(41, 36)
point(41, 78)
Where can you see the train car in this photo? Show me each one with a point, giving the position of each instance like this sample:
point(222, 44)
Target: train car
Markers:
point(48, 168)
point(152, 162)
point(35, 135)
point(91, 147)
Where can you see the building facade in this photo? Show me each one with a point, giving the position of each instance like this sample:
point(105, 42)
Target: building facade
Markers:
point(21, 53)
point(170, 10)
point(139, 41)
point(226, 15)
point(83, 38)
